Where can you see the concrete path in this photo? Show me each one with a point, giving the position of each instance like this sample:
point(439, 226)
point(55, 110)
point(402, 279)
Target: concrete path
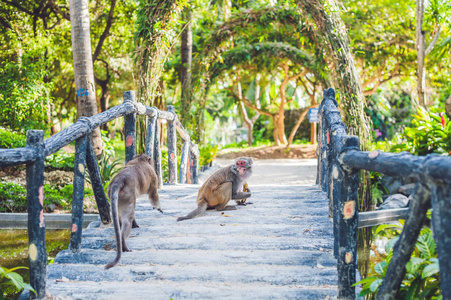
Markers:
point(278, 248)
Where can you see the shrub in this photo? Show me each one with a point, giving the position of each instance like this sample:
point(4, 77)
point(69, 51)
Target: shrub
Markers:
point(207, 154)
point(430, 132)
point(11, 139)
point(60, 160)
point(11, 282)
point(422, 279)
point(13, 197)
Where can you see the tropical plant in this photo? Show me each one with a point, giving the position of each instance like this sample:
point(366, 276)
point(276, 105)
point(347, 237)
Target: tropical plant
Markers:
point(422, 278)
point(207, 154)
point(11, 139)
point(11, 282)
point(430, 132)
point(60, 160)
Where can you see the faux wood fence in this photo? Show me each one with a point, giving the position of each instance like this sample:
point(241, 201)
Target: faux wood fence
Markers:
point(36, 149)
point(339, 162)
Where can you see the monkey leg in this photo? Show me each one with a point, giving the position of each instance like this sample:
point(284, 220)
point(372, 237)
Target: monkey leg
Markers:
point(134, 224)
point(128, 216)
point(222, 196)
point(154, 198)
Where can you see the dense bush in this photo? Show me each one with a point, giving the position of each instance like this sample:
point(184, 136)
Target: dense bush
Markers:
point(11, 139)
point(207, 154)
point(429, 132)
point(13, 197)
point(25, 94)
point(60, 160)
point(422, 278)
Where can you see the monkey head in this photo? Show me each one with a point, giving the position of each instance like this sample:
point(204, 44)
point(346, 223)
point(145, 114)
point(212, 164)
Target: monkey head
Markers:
point(243, 166)
point(143, 158)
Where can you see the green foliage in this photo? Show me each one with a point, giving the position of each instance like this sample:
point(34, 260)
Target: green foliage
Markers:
point(422, 278)
point(24, 94)
point(60, 160)
point(11, 282)
point(11, 139)
point(430, 132)
point(13, 197)
point(207, 154)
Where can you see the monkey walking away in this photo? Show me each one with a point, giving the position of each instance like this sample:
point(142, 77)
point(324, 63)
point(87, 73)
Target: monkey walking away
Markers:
point(222, 186)
point(136, 178)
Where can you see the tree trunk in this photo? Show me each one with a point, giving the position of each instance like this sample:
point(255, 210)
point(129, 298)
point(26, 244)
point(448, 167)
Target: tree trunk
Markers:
point(421, 48)
point(185, 69)
point(298, 123)
point(105, 96)
point(326, 15)
point(83, 67)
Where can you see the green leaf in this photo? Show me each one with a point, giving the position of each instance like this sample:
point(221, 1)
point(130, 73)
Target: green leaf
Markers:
point(375, 285)
point(380, 268)
point(16, 279)
point(430, 270)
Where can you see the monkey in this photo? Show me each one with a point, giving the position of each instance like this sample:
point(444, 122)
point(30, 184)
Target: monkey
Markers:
point(222, 186)
point(136, 178)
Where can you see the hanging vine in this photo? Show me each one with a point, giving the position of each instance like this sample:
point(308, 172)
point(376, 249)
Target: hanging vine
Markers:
point(156, 30)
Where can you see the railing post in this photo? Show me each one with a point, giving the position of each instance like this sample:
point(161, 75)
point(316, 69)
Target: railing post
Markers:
point(345, 184)
point(81, 146)
point(324, 152)
point(96, 183)
point(405, 244)
point(172, 148)
point(157, 152)
point(195, 166)
point(441, 226)
point(150, 139)
point(130, 128)
point(184, 162)
point(37, 254)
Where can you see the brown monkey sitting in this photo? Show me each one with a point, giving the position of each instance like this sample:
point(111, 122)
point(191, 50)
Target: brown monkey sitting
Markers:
point(222, 186)
point(136, 178)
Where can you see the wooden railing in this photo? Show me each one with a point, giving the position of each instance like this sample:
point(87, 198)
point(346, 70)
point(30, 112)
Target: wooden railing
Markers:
point(36, 149)
point(339, 162)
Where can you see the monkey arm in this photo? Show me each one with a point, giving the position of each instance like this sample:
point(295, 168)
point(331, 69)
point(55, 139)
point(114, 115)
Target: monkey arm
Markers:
point(241, 195)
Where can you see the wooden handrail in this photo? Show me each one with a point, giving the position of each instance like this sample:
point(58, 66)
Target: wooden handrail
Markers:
point(339, 162)
point(37, 149)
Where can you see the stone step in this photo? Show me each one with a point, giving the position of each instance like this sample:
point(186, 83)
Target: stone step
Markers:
point(189, 289)
point(235, 242)
point(232, 273)
point(312, 259)
point(307, 228)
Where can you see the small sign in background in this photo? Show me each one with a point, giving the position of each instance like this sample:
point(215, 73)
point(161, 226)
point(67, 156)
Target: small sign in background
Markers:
point(313, 115)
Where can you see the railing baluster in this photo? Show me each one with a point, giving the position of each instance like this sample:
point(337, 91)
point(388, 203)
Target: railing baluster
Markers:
point(81, 145)
point(441, 226)
point(172, 148)
point(150, 138)
point(130, 128)
point(195, 167)
point(37, 254)
point(405, 244)
point(157, 153)
point(184, 162)
point(345, 194)
point(96, 182)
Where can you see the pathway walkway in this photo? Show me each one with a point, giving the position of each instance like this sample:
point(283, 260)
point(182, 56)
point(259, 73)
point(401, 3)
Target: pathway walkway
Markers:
point(278, 248)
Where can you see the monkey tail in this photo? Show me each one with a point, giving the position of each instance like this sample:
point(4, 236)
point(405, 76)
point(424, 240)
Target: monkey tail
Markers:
point(117, 229)
point(201, 208)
